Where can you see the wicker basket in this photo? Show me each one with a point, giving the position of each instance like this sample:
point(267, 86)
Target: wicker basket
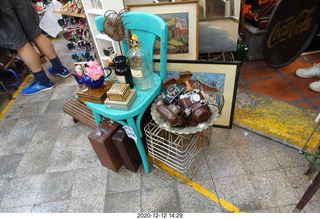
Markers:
point(180, 152)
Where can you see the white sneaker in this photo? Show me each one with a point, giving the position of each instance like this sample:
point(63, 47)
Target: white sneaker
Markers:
point(311, 72)
point(315, 86)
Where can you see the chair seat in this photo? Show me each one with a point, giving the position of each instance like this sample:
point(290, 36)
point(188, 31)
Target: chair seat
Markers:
point(143, 100)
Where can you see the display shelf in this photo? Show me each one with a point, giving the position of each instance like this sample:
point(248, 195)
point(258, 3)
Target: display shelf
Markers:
point(70, 14)
point(103, 37)
point(95, 11)
point(101, 40)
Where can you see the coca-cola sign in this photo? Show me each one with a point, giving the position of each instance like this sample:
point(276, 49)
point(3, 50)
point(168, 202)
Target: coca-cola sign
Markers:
point(292, 25)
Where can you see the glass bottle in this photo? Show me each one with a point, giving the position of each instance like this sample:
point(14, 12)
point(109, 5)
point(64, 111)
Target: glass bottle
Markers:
point(140, 64)
point(122, 71)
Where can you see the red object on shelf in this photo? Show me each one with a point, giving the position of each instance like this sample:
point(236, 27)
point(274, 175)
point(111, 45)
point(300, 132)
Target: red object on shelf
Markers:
point(38, 8)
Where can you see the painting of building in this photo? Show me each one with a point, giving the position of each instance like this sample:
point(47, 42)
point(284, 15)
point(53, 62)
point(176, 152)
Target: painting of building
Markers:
point(178, 33)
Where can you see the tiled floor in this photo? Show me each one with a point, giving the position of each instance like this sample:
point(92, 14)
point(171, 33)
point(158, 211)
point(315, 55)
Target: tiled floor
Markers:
point(282, 83)
point(47, 163)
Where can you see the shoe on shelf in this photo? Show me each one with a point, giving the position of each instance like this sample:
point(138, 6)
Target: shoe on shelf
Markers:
point(311, 72)
point(65, 73)
point(315, 86)
point(36, 87)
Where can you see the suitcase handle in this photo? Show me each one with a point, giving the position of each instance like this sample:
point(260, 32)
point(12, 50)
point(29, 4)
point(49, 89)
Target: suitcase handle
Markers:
point(101, 131)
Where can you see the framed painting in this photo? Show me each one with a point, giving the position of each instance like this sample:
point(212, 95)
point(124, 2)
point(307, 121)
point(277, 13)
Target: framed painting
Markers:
point(183, 27)
point(211, 77)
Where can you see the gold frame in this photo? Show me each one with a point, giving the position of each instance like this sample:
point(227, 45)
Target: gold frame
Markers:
point(231, 76)
point(190, 7)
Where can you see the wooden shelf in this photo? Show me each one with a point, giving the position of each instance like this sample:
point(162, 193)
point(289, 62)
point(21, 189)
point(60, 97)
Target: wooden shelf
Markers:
point(70, 14)
point(96, 11)
point(103, 37)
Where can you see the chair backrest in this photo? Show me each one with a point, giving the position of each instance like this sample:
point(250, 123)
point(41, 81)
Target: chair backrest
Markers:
point(146, 26)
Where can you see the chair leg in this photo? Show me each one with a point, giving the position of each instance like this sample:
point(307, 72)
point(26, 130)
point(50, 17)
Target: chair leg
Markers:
point(15, 75)
point(139, 144)
point(4, 87)
point(132, 124)
point(97, 118)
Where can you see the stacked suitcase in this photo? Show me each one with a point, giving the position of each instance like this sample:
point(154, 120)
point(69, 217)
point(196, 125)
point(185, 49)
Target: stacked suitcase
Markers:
point(113, 147)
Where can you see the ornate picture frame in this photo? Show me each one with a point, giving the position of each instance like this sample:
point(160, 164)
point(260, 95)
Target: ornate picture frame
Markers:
point(183, 27)
point(211, 76)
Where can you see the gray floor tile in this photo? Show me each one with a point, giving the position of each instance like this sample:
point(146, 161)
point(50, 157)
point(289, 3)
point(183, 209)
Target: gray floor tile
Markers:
point(15, 111)
point(281, 209)
point(225, 162)
point(239, 191)
point(24, 129)
point(202, 170)
point(311, 207)
point(55, 107)
point(22, 192)
point(286, 156)
point(75, 135)
point(123, 180)
point(23, 209)
point(42, 142)
point(272, 189)
point(156, 178)
point(6, 125)
point(192, 201)
point(72, 158)
point(4, 187)
point(125, 202)
point(160, 199)
point(34, 163)
point(229, 137)
point(256, 156)
point(33, 109)
point(55, 187)
point(62, 91)
point(9, 164)
point(93, 204)
point(89, 182)
point(302, 181)
point(51, 207)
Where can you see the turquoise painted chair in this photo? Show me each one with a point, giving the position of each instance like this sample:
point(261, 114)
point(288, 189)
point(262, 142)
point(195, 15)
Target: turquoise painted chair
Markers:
point(146, 26)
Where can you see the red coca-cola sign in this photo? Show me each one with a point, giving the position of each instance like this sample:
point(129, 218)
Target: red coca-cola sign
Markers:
point(292, 26)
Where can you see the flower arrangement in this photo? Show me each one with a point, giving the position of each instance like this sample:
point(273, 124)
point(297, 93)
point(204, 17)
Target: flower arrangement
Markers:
point(92, 69)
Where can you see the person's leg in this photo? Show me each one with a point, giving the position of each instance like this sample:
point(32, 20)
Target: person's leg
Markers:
point(32, 59)
point(45, 46)
point(20, 22)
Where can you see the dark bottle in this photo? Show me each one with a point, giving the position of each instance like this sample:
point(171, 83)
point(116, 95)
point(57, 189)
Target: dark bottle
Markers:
point(123, 72)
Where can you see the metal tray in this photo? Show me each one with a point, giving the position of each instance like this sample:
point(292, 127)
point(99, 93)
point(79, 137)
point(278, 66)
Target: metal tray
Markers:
point(181, 130)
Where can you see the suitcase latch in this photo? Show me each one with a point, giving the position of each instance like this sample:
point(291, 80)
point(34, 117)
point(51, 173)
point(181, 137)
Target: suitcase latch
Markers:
point(101, 131)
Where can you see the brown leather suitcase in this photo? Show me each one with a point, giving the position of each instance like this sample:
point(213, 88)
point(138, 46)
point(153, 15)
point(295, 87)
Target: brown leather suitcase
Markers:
point(127, 150)
point(101, 141)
